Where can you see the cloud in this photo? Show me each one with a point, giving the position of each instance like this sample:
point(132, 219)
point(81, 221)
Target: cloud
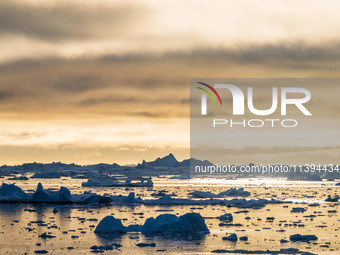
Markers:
point(153, 85)
point(74, 83)
point(68, 20)
point(6, 94)
point(103, 61)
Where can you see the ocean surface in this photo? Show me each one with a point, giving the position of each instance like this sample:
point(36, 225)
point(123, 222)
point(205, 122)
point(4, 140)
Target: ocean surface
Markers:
point(73, 224)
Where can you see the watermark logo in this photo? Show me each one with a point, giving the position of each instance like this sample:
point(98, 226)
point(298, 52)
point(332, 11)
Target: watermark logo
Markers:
point(204, 96)
point(246, 127)
point(239, 99)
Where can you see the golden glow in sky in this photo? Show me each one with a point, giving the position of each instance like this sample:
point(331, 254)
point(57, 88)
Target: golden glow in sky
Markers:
point(108, 81)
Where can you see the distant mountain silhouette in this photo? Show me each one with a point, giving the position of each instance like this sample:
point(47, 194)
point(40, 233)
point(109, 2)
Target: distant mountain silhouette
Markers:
point(171, 161)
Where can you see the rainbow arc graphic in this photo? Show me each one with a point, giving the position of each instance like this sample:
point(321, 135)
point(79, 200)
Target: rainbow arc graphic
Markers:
point(209, 93)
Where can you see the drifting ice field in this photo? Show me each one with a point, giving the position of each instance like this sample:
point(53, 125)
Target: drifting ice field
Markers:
point(70, 228)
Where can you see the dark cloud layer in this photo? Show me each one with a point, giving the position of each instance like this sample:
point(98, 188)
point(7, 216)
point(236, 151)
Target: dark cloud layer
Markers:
point(67, 20)
point(280, 54)
point(149, 84)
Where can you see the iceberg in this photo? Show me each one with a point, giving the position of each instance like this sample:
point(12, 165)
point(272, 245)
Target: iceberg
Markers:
point(91, 198)
point(190, 222)
point(63, 195)
point(302, 238)
point(11, 192)
point(227, 217)
point(100, 183)
point(330, 199)
point(110, 224)
point(203, 194)
point(234, 192)
point(41, 195)
point(47, 175)
point(232, 238)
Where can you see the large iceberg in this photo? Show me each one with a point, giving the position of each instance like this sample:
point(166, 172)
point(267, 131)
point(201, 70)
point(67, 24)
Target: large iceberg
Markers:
point(63, 195)
point(190, 222)
point(11, 192)
point(110, 225)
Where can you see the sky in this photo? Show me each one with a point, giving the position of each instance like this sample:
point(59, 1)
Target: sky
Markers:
point(109, 81)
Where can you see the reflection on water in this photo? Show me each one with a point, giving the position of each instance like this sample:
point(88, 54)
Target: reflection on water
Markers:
point(73, 225)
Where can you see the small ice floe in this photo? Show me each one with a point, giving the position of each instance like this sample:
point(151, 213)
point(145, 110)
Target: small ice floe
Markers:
point(234, 192)
point(230, 224)
point(243, 211)
point(180, 177)
point(45, 235)
point(130, 199)
point(105, 248)
point(146, 245)
point(100, 183)
point(302, 238)
point(127, 182)
point(29, 210)
point(227, 217)
point(281, 251)
point(232, 238)
point(244, 238)
point(18, 178)
point(203, 194)
point(332, 199)
point(162, 193)
point(41, 251)
point(190, 222)
point(298, 210)
point(332, 211)
point(37, 221)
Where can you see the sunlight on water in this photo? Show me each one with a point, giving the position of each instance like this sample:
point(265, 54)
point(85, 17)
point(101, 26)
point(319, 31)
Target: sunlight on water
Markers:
point(73, 225)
